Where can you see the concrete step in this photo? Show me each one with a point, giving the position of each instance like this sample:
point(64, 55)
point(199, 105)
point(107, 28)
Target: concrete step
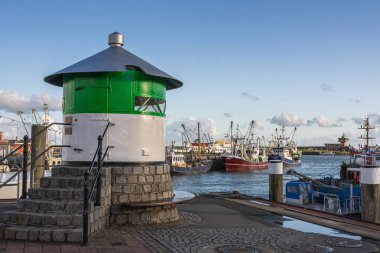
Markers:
point(75, 171)
point(39, 205)
point(44, 234)
point(42, 219)
point(65, 182)
point(58, 193)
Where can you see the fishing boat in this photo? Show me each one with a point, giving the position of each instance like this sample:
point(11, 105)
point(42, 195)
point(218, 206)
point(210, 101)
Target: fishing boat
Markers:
point(368, 154)
point(286, 148)
point(338, 195)
point(179, 166)
point(246, 153)
point(237, 163)
point(189, 163)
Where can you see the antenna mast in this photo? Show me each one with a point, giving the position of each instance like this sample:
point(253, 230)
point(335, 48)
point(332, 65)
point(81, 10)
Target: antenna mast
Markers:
point(366, 127)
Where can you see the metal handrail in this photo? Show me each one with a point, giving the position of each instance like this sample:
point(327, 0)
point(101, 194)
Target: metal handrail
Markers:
point(98, 174)
point(97, 149)
point(43, 129)
point(10, 179)
point(30, 139)
point(28, 164)
point(105, 130)
point(25, 163)
point(98, 181)
point(10, 154)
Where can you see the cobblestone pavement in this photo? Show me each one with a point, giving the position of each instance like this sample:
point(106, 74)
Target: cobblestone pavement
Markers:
point(211, 225)
point(206, 225)
point(109, 242)
point(270, 239)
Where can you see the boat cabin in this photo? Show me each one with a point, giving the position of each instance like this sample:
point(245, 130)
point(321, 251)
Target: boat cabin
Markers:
point(282, 152)
point(299, 192)
point(177, 160)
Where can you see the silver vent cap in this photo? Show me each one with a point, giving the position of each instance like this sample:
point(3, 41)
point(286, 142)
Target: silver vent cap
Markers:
point(116, 39)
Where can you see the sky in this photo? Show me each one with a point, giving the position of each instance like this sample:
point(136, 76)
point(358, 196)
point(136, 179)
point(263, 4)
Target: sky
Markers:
point(314, 65)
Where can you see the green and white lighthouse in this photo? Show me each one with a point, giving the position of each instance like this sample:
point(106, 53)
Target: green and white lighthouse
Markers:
point(114, 86)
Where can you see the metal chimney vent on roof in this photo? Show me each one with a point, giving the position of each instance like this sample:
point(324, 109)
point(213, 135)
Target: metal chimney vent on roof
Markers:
point(116, 39)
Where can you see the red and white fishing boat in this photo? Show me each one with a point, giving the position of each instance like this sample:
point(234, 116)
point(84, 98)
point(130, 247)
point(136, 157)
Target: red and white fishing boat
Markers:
point(246, 153)
point(236, 163)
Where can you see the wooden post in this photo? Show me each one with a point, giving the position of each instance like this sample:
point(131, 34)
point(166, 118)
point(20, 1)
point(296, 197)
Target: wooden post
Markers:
point(370, 193)
point(276, 180)
point(38, 146)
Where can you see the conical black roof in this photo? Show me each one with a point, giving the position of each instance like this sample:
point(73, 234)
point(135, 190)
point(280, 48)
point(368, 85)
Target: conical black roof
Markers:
point(113, 59)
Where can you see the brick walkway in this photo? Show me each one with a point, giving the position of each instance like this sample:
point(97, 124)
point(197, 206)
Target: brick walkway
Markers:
point(110, 242)
point(207, 225)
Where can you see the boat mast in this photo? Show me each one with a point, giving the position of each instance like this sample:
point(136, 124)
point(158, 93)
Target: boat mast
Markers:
point(277, 138)
point(188, 140)
point(199, 142)
point(366, 127)
point(232, 139)
point(293, 133)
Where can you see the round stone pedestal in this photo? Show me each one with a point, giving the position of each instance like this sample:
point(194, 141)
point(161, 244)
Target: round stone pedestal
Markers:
point(141, 195)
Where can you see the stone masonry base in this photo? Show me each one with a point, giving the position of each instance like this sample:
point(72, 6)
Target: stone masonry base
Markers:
point(54, 211)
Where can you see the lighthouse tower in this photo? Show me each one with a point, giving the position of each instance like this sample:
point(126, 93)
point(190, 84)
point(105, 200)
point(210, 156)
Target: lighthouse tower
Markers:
point(114, 86)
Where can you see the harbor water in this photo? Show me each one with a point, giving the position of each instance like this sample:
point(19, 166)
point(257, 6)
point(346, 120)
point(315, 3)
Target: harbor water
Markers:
point(256, 183)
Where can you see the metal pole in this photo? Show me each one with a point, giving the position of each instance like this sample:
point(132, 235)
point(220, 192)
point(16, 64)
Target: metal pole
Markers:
point(351, 198)
point(99, 167)
point(25, 167)
point(18, 186)
point(85, 207)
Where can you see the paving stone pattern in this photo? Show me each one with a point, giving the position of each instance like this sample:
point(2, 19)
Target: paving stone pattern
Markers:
point(54, 211)
point(252, 231)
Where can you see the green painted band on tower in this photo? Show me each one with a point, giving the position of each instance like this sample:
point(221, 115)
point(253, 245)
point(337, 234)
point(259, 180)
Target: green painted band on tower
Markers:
point(130, 92)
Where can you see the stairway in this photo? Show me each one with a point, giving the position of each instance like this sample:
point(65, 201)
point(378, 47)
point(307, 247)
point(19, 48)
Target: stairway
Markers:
point(54, 212)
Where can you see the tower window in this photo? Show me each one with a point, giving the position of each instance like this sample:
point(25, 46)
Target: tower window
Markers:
point(149, 104)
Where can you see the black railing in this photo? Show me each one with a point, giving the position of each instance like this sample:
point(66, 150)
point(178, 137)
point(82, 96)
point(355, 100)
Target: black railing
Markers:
point(87, 193)
point(25, 163)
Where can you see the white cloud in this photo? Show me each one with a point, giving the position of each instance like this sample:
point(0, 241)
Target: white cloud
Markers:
point(322, 121)
point(289, 119)
point(258, 125)
point(340, 119)
point(375, 118)
point(13, 101)
point(357, 120)
point(208, 126)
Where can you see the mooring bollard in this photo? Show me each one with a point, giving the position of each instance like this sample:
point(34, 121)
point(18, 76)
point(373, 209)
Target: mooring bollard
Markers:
point(370, 191)
point(37, 167)
point(275, 178)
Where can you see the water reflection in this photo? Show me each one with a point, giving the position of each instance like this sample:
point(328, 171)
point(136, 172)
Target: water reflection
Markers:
point(308, 227)
point(255, 183)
